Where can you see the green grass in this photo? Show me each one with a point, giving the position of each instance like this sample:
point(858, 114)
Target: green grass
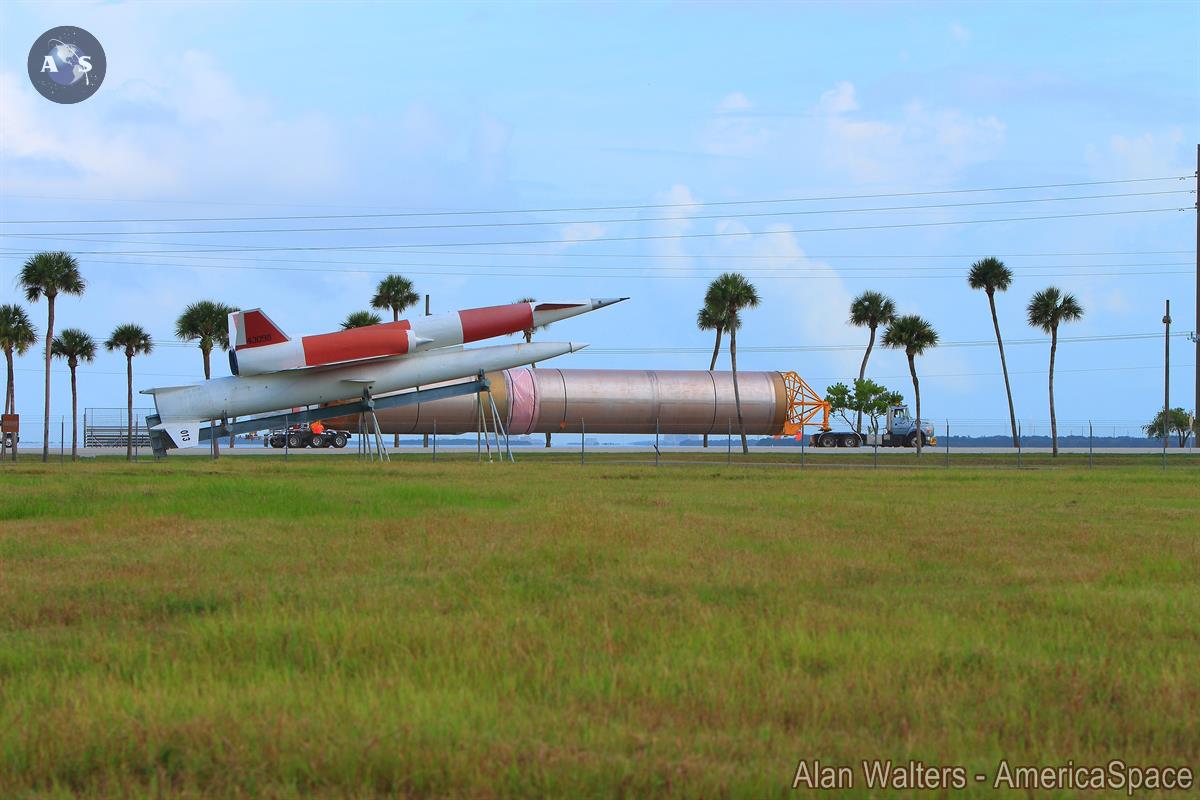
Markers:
point(325, 628)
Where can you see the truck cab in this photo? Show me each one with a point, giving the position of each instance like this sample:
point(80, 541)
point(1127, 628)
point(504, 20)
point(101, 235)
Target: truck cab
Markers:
point(901, 427)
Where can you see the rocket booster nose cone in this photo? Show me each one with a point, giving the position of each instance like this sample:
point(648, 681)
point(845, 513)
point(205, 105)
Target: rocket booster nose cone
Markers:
point(601, 302)
point(576, 346)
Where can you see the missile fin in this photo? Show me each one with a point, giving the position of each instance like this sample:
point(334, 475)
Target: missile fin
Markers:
point(183, 434)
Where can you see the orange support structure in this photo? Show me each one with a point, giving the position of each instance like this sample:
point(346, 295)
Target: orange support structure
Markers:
point(803, 406)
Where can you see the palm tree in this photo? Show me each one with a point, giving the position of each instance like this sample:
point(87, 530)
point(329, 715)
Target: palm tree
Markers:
point(728, 294)
point(395, 292)
point(1047, 310)
point(710, 319)
point(46, 275)
point(17, 335)
point(915, 335)
point(360, 319)
point(133, 340)
point(992, 276)
point(870, 309)
point(74, 345)
point(528, 334)
point(207, 321)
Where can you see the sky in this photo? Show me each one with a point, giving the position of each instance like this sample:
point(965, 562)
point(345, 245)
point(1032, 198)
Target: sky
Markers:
point(699, 119)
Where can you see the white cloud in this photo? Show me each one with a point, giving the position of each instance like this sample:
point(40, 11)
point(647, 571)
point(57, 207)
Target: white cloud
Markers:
point(734, 101)
point(192, 130)
point(959, 33)
point(678, 222)
point(1148, 155)
point(730, 132)
point(582, 231)
point(839, 99)
point(926, 144)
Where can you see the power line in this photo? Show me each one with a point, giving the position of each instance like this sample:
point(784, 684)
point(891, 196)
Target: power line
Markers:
point(829, 348)
point(598, 208)
point(654, 273)
point(90, 371)
point(649, 237)
point(853, 347)
point(532, 223)
point(17, 252)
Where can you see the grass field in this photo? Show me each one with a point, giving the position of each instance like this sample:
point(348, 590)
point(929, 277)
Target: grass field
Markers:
point(326, 628)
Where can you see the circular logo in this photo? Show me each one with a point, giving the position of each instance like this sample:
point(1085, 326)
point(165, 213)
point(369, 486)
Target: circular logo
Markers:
point(67, 64)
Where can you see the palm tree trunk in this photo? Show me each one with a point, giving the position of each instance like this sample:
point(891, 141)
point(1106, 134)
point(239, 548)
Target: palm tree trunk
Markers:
point(74, 417)
point(737, 397)
point(49, 340)
point(129, 406)
point(396, 318)
point(214, 443)
point(862, 373)
point(712, 364)
point(9, 389)
point(912, 369)
point(1012, 414)
point(10, 401)
point(1053, 421)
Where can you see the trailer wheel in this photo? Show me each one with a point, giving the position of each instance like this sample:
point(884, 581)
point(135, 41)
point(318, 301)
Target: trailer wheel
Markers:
point(850, 440)
point(339, 441)
point(276, 442)
point(293, 441)
point(319, 441)
point(827, 439)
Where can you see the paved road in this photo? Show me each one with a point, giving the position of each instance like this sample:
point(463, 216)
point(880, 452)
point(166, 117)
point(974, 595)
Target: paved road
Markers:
point(258, 450)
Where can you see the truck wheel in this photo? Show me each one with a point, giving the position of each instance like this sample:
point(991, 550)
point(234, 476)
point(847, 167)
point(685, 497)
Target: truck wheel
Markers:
point(910, 440)
point(276, 442)
point(319, 441)
point(339, 441)
point(850, 440)
point(293, 440)
point(827, 440)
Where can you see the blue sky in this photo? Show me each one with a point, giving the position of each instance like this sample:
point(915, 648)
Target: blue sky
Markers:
point(236, 110)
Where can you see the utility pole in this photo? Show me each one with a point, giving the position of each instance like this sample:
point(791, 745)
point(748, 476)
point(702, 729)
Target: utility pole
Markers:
point(1196, 331)
point(1167, 378)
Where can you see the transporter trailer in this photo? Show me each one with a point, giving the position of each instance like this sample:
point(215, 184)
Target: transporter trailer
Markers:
point(807, 408)
point(300, 436)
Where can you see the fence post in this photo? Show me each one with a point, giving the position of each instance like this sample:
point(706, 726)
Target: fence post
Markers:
point(729, 441)
point(435, 440)
point(947, 444)
point(62, 437)
point(803, 445)
point(582, 439)
point(656, 432)
point(1018, 444)
point(1089, 444)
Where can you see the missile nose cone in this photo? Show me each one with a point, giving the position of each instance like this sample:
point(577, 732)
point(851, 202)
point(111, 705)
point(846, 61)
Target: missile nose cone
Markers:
point(601, 302)
point(576, 346)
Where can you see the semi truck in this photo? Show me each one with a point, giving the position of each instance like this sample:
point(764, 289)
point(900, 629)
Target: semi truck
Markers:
point(899, 430)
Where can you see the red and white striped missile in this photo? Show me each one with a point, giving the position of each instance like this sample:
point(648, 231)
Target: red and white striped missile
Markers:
point(274, 372)
point(259, 346)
